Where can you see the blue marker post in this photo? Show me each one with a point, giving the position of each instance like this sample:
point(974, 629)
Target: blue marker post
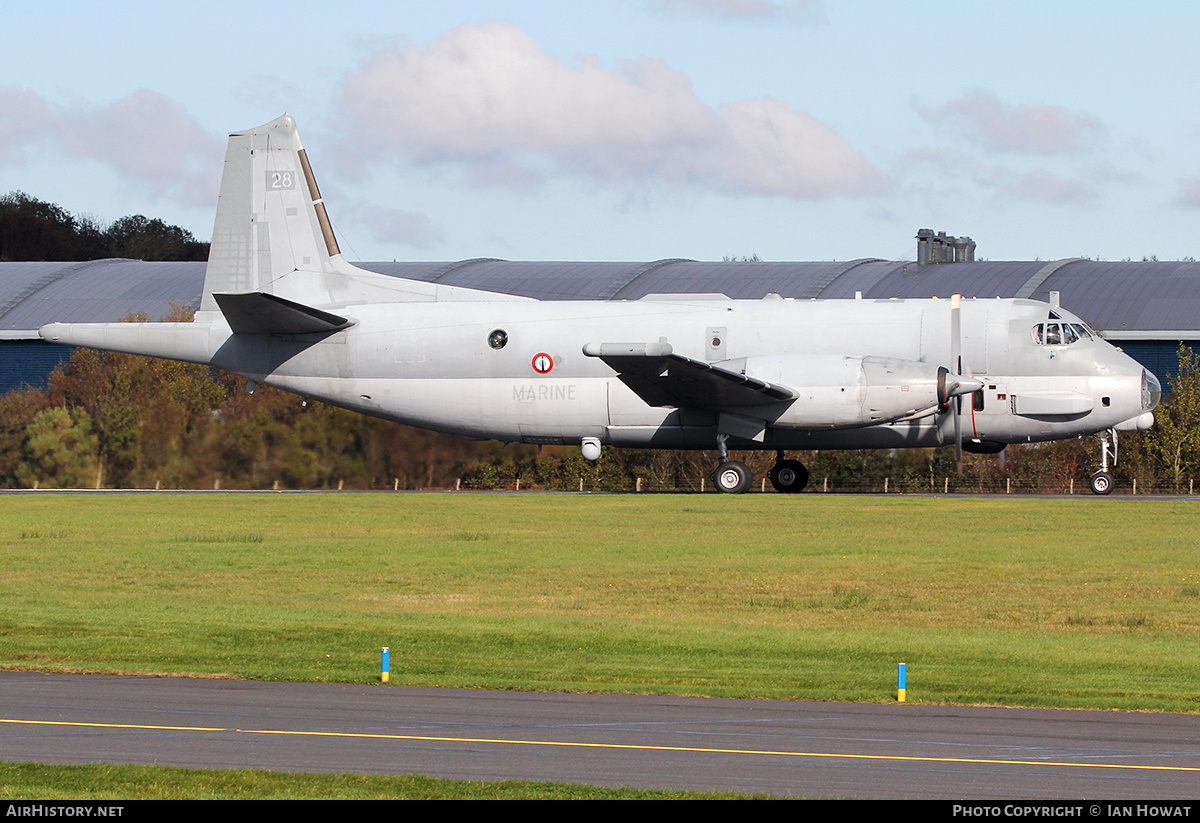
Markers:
point(383, 666)
point(901, 682)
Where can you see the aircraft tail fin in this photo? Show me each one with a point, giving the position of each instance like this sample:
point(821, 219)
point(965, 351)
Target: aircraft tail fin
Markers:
point(272, 233)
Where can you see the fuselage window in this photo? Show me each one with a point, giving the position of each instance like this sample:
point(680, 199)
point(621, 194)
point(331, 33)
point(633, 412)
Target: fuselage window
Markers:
point(498, 339)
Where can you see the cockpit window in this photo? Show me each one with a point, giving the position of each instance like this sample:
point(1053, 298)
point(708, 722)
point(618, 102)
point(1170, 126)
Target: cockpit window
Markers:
point(1151, 390)
point(1060, 334)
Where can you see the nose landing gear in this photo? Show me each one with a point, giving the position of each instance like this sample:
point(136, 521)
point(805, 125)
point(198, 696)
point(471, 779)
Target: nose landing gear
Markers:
point(1102, 481)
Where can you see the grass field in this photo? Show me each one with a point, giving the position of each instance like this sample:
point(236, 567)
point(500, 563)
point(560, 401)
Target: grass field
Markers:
point(1063, 602)
point(25, 781)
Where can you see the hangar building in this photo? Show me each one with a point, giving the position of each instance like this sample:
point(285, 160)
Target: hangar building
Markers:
point(1146, 308)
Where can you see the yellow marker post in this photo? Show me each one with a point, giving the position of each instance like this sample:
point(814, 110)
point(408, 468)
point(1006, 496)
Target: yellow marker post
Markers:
point(383, 666)
point(901, 682)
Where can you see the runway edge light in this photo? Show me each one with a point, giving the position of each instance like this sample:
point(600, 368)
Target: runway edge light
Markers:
point(901, 682)
point(383, 665)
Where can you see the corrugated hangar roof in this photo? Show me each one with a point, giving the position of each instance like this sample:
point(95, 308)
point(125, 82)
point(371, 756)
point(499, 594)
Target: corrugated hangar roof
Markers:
point(33, 294)
point(1153, 300)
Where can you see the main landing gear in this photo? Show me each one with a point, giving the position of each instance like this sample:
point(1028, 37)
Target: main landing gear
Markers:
point(733, 477)
point(1102, 481)
point(788, 476)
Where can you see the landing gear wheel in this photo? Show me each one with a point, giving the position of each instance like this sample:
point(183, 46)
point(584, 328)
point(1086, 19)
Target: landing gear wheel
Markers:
point(788, 476)
point(1102, 483)
point(732, 477)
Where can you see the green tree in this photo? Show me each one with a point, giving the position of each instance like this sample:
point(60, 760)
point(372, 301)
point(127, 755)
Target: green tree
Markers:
point(60, 451)
point(148, 414)
point(1175, 438)
point(144, 238)
point(17, 412)
point(31, 229)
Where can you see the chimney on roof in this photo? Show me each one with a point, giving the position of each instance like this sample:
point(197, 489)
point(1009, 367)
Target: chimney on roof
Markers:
point(939, 248)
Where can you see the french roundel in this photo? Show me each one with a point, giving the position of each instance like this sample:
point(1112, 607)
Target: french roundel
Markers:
point(542, 363)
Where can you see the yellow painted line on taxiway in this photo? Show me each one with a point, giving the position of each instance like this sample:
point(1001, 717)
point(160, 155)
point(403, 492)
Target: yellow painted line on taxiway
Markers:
point(613, 746)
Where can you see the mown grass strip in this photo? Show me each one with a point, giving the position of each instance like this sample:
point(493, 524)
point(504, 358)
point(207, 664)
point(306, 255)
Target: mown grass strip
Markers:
point(33, 781)
point(1056, 602)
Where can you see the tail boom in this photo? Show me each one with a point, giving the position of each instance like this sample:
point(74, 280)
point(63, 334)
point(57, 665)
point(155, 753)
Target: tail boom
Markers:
point(190, 342)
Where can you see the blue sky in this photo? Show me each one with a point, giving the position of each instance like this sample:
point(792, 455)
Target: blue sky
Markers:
point(632, 129)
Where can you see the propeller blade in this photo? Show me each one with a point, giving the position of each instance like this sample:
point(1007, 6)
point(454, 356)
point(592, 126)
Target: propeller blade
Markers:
point(956, 361)
point(958, 432)
point(956, 332)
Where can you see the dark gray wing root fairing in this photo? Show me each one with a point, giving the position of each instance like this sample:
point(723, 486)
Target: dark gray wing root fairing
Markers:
point(261, 313)
point(661, 377)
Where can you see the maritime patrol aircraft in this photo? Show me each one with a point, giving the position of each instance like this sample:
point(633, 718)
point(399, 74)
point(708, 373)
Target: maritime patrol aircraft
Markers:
point(282, 307)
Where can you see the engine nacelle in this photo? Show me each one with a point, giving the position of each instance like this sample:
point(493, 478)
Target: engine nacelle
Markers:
point(838, 392)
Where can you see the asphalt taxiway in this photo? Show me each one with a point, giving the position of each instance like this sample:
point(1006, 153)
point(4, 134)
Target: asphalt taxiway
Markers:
point(764, 746)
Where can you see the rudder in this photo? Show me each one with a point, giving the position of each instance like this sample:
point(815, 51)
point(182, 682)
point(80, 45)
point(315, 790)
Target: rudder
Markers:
point(270, 223)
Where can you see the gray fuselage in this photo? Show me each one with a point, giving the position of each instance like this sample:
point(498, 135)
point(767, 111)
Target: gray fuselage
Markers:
point(431, 365)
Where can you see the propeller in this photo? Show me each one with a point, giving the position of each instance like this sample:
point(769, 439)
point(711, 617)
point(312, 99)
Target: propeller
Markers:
point(955, 385)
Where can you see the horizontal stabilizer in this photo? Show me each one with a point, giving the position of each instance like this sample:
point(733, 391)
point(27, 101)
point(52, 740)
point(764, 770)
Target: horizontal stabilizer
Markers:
point(662, 377)
point(260, 313)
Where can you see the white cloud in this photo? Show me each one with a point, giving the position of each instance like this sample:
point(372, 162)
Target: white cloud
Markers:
point(981, 116)
point(943, 172)
point(799, 12)
point(147, 139)
point(1047, 187)
point(488, 100)
point(392, 226)
point(152, 143)
point(25, 121)
point(1189, 192)
point(778, 150)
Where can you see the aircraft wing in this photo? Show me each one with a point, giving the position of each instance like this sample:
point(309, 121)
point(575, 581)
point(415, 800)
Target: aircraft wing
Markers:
point(663, 378)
